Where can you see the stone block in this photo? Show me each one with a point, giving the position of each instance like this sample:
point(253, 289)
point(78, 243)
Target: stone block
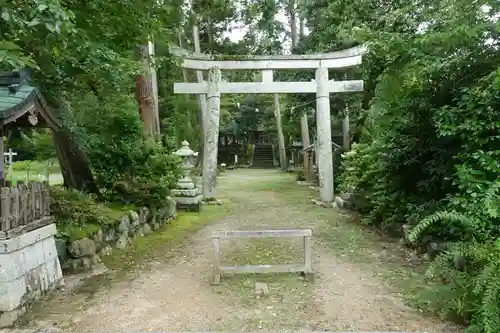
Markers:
point(122, 241)
point(12, 293)
point(124, 224)
point(27, 239)
point(171, 208)
point(33, 256)
point(54, 273)
point(185, 193)
point(8, 319)
point(110, 235)
point(189, 200)
point(29, 268)
point(146, 229)
point(106, 251)
point(82, 247)
point(261, 289)
point(49, 249)
point(134, 218)
point(98, 237)
point(12, 266)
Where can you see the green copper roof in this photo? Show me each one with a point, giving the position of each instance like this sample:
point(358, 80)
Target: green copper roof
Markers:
point(12, 99)
point(17, 96)
point(15, 92)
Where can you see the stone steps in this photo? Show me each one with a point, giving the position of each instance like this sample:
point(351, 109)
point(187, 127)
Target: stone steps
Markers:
point(263, 156)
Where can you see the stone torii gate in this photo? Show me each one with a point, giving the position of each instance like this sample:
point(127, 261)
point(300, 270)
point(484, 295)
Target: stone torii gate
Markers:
point(322, 86)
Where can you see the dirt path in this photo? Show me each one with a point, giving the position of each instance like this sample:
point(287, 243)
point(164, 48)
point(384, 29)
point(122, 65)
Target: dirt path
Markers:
point(175, 294)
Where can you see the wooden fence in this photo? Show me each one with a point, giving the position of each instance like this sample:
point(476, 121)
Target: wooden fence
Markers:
point(24, 208)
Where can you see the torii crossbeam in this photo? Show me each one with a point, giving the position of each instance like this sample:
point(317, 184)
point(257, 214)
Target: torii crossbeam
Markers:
point(322, 86)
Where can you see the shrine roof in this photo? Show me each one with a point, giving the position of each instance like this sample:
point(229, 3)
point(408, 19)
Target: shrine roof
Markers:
point(20, 100)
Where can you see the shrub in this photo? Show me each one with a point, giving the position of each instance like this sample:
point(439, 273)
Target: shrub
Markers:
point(79, 215)
point(431, 159)
point(129, 168)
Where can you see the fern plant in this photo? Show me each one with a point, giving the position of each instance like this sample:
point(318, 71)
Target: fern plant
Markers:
point(445, 218)
point(471, 275)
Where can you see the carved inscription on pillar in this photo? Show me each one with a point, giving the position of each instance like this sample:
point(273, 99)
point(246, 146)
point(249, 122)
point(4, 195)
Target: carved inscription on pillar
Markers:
point(212, 134)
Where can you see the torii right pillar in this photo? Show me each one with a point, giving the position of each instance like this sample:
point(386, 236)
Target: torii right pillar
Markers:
point(323, 125)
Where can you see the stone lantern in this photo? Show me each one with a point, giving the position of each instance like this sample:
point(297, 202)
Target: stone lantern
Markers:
point(187, 195)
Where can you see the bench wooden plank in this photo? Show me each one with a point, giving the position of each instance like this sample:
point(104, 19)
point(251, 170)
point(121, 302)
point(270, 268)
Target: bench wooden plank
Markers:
point(290, 268)
point(262, 233)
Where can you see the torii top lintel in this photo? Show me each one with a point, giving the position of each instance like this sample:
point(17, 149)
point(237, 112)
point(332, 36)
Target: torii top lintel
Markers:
point(340, 59)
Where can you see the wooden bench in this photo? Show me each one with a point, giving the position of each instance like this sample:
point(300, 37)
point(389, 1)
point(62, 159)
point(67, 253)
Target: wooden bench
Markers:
point(304, 268)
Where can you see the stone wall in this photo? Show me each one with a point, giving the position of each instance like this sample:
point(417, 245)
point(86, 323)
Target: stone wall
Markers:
point(83, 254)
point(29, 266)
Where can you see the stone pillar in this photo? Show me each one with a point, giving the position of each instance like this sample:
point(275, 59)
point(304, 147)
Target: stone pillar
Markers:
point(187, 195)
point(323, 123)
point(346, 139)
point(212, 134)
point(305, 143)
point(281, 138)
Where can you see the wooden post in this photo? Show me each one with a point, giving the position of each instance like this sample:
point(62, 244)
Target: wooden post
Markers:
point(323, 123)
point(211, 145)
point(216, 271)
point(307, 256)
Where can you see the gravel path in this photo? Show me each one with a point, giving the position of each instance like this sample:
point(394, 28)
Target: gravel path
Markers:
point(175, 295)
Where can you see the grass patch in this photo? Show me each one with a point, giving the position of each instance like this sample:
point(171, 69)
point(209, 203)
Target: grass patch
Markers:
point(156, 246)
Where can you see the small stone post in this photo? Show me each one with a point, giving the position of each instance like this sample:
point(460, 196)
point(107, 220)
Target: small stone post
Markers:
point(187, 195)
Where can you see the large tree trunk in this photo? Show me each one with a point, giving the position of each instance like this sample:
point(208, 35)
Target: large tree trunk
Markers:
point(281, 138)
point(202, 99)
point(145, 95)
point(292, 17)
point(75, 165)
point(304, 124)
point(302, 20)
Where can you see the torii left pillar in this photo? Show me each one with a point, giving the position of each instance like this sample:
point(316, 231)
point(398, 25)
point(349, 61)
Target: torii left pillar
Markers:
point(211, 146)
point(323, 125)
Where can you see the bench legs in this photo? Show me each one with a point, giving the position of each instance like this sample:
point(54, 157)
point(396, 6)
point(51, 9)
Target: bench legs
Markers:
point(216, 269)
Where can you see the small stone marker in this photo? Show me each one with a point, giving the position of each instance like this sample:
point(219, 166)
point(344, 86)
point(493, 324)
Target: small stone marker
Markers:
point(261, 289)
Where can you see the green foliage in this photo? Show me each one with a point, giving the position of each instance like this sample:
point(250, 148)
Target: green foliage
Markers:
point(449, 220)
point(79, 215)
point(429, 150)
point(470, 277)
point(39, 144)
point(128, 167)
